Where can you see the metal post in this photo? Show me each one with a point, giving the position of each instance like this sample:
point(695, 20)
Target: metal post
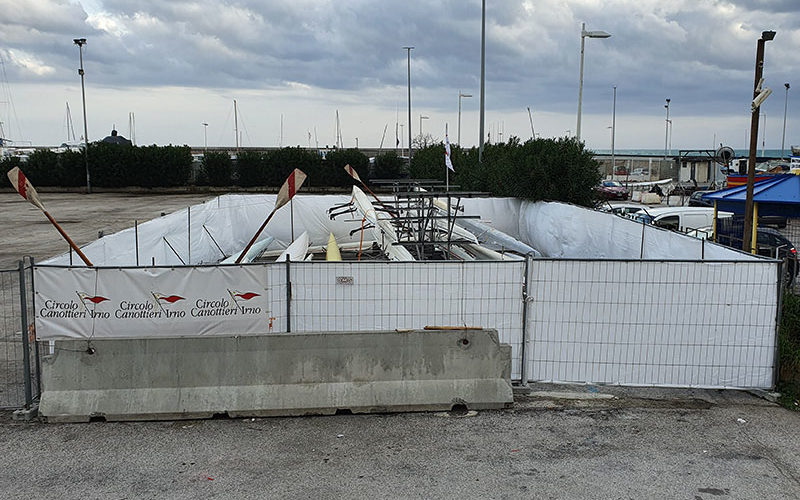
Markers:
point(613, 133)
point(525, 374)
point(751, 161)
point(763, 135)
point(483, 78)
point(26, 361)
point(408, 52)
point(778, 319)
point(785, 108)
point(189, 233)
point(136, 238)
point(80, 42)
point(460, 95)
point(666, 129)
point(580, 83)
point(288, 296)
point(35, 343)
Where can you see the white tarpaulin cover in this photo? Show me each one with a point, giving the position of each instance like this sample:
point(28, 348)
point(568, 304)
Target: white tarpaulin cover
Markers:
point(151, 302)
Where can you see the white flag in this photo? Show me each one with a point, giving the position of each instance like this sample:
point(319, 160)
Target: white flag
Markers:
point(447, 152)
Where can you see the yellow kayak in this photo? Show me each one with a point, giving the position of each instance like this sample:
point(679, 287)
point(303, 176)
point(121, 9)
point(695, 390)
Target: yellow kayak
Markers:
point(332, 253)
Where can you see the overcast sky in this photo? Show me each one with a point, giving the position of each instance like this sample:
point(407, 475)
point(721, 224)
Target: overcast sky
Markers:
point(177, 64)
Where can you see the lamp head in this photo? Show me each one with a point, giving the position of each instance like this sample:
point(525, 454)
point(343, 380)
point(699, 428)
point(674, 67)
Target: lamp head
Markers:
point(767, 36)
point(79, 41)
point(595, 34)
point(786, 85)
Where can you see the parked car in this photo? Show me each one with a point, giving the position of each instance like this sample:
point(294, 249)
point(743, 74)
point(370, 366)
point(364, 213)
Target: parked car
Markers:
point(771, 243)
point(697, 200)
point(611, 190)
point(623, 209)
point(680, 218)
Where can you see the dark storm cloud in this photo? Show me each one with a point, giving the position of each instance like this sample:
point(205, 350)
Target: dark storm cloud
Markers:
point(698, 52)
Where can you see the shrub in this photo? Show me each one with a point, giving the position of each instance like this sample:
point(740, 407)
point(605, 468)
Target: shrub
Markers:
point(332, 169)
point(217, 168)
point(389, 166)
point(252, 168)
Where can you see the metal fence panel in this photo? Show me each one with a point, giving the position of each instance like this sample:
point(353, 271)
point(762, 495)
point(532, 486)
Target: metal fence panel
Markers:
point(386, 296)
point(19, 384)
point(687, 324)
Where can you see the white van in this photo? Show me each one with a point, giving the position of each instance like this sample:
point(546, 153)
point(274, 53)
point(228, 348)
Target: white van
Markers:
point(680, 218)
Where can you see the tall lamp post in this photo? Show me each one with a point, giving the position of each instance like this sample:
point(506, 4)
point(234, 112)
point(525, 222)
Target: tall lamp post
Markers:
point(408, 51)
point(748, 235)
point(666, 129)
point(422, 117)
point(205, 136)
point(483, 78)
point(80, 42)
point(785, 107)
point(585, 34)
point(613, 133)
point(460, 95)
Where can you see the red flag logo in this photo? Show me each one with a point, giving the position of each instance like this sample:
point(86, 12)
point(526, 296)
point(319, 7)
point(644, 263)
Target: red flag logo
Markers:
point(246, 295)
point(94, 299)
point(168, 298)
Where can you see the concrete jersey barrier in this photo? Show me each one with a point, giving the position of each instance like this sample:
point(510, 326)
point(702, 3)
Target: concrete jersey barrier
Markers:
point(278, 374)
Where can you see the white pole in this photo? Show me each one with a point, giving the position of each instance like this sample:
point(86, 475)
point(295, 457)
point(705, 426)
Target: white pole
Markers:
point(613, 132)
point(785, 108)
point(580, 83)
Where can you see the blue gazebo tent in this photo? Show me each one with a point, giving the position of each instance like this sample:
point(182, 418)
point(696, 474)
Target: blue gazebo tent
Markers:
point(776, 195)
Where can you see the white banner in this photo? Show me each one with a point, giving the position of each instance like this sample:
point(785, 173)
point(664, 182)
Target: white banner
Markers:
point(151, 302)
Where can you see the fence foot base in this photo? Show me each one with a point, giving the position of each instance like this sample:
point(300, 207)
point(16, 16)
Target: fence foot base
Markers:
point(770, 396)
point(520, 389)
point(26, 414)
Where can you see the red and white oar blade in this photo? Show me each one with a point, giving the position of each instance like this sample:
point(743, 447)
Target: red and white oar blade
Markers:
point(24, 187)
point(352, 172)
point(290, 187)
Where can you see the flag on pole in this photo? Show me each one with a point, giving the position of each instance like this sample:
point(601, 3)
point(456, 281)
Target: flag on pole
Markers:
point(447, 151)
point(290, 187)
point(24, 187)
point(352, 172)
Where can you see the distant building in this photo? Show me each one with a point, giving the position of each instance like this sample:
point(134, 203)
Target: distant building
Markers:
point(115, 138)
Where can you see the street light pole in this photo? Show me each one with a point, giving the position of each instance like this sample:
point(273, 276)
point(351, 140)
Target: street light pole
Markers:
point(80, 42)
point(421, 117)
point(785, 107)
point(666, 129)
point(460, 95)
point(613, 133)
point(483, 78)
point(205, 136)
point(408, 51)
point(584, 35)
point(747, 234)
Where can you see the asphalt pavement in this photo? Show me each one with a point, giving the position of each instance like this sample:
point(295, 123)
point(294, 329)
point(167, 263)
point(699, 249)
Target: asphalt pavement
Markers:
point(576, 442)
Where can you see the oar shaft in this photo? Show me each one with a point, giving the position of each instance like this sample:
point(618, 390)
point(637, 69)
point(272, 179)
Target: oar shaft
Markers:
point(255, 237)
point(66, 237)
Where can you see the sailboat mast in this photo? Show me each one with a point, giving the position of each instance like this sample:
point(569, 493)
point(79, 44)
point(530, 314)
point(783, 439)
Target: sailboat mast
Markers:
point(236, 124)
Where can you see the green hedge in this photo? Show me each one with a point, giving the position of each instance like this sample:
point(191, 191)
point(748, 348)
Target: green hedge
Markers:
point(542, 169)
point(111, 165)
